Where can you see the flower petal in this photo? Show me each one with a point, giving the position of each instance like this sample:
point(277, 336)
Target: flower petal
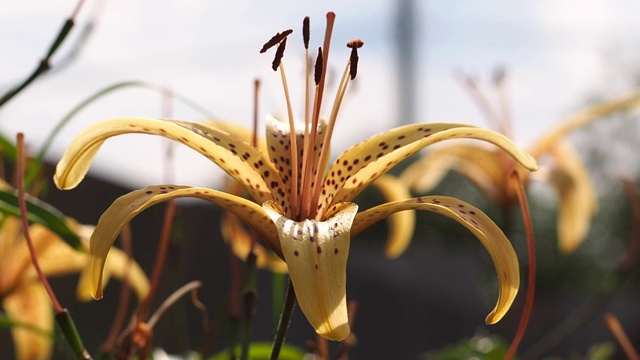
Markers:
point(120, 266)
point(243, 162)
point(583, 118)
point(578, 200)
point(29, 304)
point(128, 206)
point(401, 224)
point(361, 164)
point(316, 253)
point(484, 167)
point(240, 241)
point(492, 238)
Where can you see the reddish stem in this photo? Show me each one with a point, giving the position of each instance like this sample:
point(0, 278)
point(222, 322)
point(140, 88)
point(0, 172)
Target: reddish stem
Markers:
point(161, 255)
point(125, 295)
point(25, 223)
point(531, 281)
point(621, 337)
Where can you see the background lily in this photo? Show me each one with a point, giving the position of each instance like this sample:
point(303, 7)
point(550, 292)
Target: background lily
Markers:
point(489, 168)
point(300, 206)
point(22, 295)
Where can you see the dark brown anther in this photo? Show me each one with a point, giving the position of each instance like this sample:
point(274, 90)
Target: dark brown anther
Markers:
point(279, 54)
point(275, 40)
point(317, 72)
point(353, 61)
point(305, 32)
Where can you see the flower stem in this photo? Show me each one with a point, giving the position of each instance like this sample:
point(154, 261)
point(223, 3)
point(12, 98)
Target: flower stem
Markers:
point(531, 250)
point(63, 317)
point(285, 319)
point(160, 259)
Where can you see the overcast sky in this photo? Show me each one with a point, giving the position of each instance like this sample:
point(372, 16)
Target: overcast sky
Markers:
point(557, 53)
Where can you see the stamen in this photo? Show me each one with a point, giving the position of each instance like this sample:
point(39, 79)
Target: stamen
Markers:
point(275, 40)
point(311, 210)
point(256, 89)
point(305, 32)
point(293, 144)
point(307, 124)
point(353, 60)
point(279, 54)
point(317, 70)
point(326, 145)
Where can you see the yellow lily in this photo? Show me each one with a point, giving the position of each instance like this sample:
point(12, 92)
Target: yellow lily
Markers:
point(301, 207)
point(22, 295)
point(489, 168)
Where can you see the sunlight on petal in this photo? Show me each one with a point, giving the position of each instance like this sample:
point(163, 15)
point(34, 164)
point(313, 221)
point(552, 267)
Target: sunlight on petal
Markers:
point(361, 164)
point(243, 162)
point(316, 253)
point(30, 304)
point(481, 165)
point(130, 205)
point(401, 224)
point(583, 118)
point(578, 200)
point(492, 238)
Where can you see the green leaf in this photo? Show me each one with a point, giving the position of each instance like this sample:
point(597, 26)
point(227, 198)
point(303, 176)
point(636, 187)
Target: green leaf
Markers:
point(6, 322)
point(41, 213)
point(262, 351)
point(8, 148)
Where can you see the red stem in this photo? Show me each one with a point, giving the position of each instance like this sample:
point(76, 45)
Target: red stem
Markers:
point(25, 223)
point(531, 281)
point(160, 258)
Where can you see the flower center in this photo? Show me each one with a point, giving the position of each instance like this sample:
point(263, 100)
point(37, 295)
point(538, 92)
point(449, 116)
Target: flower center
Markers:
point(307, 180)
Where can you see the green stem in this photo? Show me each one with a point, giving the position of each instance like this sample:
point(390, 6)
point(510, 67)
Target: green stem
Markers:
point(285, 319)
point(250, 296)
point(277, 299)
point(70, 332)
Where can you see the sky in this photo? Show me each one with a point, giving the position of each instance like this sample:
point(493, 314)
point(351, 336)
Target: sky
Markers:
point(556, 53)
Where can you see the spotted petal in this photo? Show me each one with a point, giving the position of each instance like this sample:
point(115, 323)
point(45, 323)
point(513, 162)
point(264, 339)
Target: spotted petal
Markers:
point(30, 305)
point(316, 253)
point(278, 143)
point(128, 206)
point(401, 224)
point(492, 238)
point(483, 166)
point(361, 164)
point(578, 201)
point(239, 159)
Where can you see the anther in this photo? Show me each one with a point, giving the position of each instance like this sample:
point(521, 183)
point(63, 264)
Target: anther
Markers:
point(275, 40)
point(305, 32)
point(317, 72)
point(353, 61)
point(279, 54)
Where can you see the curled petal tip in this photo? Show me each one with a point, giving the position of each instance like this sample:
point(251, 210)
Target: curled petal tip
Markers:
point(335, 334)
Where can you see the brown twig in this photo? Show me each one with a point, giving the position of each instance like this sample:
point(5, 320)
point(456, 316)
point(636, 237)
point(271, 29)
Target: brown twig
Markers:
point(621, 337)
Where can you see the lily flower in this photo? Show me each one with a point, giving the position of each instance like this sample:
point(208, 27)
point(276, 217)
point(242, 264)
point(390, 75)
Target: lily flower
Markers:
point(489, 168)
point(23, 297)
point(301, 207)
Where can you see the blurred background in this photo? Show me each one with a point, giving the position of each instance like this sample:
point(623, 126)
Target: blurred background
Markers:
point(559, 56)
